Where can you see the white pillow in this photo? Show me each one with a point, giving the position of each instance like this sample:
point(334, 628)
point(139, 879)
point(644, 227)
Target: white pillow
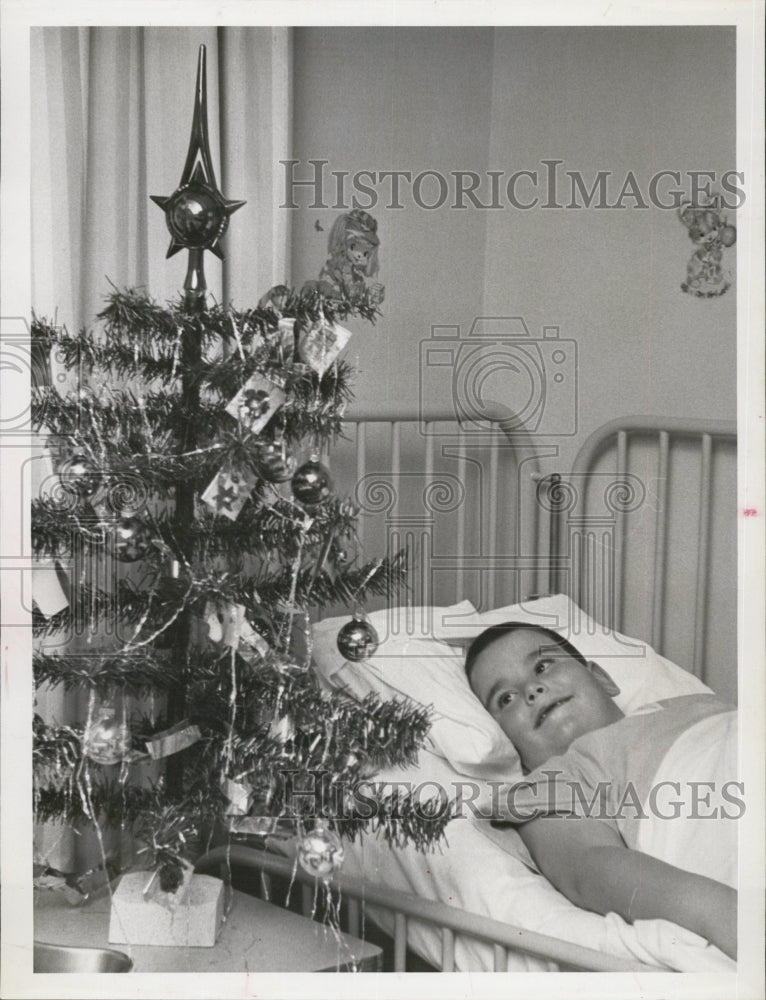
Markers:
point(641, 674)
point(411, 663)
point(421, 656)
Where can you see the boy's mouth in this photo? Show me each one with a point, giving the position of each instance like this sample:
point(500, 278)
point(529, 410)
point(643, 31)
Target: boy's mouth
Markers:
point(543, 714)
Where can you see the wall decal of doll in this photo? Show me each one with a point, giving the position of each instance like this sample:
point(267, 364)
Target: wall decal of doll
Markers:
point(352, 259)
point(709, 230)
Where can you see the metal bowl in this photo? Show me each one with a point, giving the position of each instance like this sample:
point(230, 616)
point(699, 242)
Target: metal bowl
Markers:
point(58, 958)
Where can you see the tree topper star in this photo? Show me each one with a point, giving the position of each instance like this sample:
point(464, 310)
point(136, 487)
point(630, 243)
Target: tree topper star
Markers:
point(197, 214)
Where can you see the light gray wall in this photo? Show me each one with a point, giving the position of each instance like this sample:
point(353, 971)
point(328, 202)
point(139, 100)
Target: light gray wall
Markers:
point(615, 99)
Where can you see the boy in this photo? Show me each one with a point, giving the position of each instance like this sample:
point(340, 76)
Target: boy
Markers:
point(558, 711)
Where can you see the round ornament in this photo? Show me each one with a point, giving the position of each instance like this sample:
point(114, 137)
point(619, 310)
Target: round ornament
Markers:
point(196, 216)
point(275, 464)
point(312, 483)
point(80, 476)
point(132, 539)
point(357, 640)
point(106, 739)
point(320, 852)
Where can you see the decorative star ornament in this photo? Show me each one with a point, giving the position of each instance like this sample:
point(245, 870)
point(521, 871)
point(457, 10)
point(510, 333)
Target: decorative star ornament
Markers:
point(197, 214)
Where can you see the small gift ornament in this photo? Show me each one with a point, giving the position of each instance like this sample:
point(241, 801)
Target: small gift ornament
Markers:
point(143, 912)
point(178, 737)
point(228, 491)
point(239, 795)
point(230, 625)
point(255, 638)
point(253, 826)
point(320, 344)
point(256, 402)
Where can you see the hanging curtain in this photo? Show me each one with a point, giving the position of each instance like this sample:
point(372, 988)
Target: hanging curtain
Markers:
point(111, 117)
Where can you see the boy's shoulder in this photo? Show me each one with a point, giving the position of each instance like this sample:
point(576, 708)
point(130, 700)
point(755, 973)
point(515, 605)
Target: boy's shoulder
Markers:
point(699, 704)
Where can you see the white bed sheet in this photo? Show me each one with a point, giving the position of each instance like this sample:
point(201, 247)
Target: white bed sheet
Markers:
point(502, 887)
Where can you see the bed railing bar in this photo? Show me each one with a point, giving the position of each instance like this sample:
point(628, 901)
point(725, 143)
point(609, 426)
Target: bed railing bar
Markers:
point(354, 918)
point(492, 536)
point(554, 584)
point(400, 942)
point(500, 958)
point(396, 464)
point(615, 618)
point(660, 525)
point(608, 562)
point(576, 544)
point(361, 468)
point(460, 545)
point(448, 950)
point(703, 546)
point(460, 921)
point(676, 426)
point(307, 900)
point(595, 539)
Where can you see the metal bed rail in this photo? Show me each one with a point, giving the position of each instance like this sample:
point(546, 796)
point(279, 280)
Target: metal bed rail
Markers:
point(450, 921)
point(505, 479)
point(591, 548)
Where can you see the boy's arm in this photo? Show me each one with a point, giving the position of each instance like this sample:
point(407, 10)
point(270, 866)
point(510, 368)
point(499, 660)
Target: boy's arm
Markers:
point(587, 860)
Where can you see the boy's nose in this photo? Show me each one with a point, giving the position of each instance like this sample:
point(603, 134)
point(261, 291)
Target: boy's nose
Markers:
point(534, 690)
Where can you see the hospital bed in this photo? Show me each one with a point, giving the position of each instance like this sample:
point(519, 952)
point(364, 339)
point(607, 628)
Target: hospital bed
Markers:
point(632, 548)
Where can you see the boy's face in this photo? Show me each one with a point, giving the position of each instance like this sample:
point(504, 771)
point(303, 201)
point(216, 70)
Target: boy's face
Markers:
point(542, 697)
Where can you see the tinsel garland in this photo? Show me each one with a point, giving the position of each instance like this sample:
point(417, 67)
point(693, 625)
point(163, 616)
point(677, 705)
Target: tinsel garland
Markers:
point(152, 611)
point(388, 733)
point(259, 530)
point(260, 720)
point(138, 674)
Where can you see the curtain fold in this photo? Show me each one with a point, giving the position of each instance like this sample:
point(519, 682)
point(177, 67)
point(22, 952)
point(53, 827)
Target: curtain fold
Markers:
point(112, 111)
point(111, 117)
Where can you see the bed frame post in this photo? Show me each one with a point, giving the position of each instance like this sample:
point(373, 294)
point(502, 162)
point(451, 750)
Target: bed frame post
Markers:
point(548, 498)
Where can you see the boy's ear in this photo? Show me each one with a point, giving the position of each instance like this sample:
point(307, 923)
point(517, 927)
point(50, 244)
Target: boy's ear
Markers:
point(604, 679)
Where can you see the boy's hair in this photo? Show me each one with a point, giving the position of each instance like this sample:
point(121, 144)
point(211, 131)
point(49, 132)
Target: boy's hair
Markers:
point(495, 632)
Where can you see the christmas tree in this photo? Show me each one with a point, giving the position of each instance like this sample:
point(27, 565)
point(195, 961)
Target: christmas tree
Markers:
point(177, 464)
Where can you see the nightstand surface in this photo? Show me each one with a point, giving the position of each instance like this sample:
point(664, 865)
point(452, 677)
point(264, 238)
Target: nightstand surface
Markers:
point(256, 937)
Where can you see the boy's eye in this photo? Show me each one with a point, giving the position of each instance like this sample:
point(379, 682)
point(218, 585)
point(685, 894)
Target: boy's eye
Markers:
point(505, 699)
point(541, 666)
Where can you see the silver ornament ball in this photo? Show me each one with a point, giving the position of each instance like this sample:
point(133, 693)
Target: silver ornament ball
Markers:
point(320, 852)
point(132, 539)
point(275, 464)
point(312, 483)
point(81, 476)
point(357, 640)
point(106, 739)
